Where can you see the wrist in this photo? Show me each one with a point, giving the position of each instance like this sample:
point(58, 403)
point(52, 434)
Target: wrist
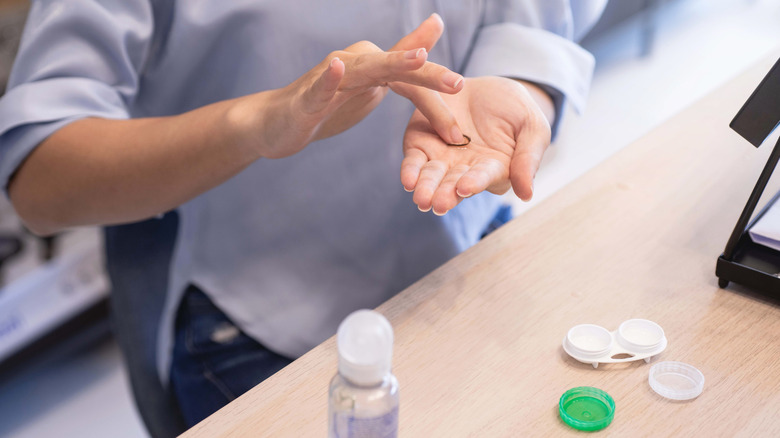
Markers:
point(247, 125)
point(542, 99)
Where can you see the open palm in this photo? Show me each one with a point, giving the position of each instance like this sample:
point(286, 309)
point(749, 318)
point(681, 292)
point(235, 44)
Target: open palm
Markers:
point(509, 135)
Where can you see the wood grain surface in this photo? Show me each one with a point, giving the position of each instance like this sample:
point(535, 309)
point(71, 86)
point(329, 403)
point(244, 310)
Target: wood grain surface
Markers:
point(478, 341)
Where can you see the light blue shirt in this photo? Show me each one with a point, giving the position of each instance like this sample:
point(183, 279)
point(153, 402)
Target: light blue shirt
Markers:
point(287, 248)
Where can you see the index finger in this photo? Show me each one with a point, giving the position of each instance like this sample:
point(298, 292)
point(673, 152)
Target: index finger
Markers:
point(432, 106)
point(411, 67)
point(426, 35)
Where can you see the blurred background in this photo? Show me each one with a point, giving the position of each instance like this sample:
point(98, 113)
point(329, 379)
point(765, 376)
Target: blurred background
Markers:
point(60, 370)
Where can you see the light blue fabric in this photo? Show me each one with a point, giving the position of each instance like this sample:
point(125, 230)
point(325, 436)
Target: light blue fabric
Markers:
point(288, 247)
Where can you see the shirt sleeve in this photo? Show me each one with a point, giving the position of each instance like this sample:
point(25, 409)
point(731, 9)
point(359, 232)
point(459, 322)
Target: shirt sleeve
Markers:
point(77, 58)
point(533, 41)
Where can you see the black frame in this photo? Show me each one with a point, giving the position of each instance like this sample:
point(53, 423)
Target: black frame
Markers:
point(743, 261)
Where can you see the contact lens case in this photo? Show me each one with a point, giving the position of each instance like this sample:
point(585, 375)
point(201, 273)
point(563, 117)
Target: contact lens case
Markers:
point(635, 339)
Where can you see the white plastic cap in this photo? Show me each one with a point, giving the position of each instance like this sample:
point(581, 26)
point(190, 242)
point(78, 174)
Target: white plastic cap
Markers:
point(365, 343)
point(676, 380)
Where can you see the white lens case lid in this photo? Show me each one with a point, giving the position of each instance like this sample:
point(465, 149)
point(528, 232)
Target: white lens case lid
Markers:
point(676, 380)
point(635, 339)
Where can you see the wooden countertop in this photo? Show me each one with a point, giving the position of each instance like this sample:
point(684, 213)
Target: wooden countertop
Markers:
point(478, 341)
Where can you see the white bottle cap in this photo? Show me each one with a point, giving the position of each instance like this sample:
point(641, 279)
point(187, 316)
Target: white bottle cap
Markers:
point(676, 380)
point(365, 343)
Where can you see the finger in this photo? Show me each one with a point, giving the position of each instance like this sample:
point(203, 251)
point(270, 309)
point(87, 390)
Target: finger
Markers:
point(432, 76)
point(432, 106)
point(430, 177)
point(380, 68)
point(317, 97)
point(426, 35)
point(413, 162)
point(481, 176)
point(372, 67)
point(445, 198)
point(532, 141)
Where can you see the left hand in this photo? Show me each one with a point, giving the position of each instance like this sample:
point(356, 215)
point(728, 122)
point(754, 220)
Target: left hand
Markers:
point(509, 134)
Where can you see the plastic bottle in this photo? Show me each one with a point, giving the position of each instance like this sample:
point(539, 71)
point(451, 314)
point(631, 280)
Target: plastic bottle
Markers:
point(363, 397)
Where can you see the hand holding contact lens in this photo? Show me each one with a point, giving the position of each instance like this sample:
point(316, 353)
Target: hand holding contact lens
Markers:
point(466, 140)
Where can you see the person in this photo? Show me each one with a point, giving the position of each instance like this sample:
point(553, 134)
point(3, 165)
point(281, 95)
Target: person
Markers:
point(281, 152)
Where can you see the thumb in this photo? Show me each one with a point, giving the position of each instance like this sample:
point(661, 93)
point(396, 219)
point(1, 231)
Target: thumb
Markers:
point(529, 150)
point(319, 95)
point(426, 35)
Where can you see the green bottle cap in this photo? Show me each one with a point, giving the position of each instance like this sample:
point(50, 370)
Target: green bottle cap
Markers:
point(586, 408)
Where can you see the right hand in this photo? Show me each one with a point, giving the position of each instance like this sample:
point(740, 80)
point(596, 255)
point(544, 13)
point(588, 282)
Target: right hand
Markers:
point(345, 87)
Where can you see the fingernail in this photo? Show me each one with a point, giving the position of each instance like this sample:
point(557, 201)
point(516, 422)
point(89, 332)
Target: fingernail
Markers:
point(407, 190)
point(457, 136)
point(452, 79)
point(414, 54)
point(424, 211)
point(332, 61)
point(438, 17)
point(437, 213)
point(463, 195)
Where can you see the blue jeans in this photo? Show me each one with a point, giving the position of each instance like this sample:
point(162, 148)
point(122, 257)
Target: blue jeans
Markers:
point(214, 362)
